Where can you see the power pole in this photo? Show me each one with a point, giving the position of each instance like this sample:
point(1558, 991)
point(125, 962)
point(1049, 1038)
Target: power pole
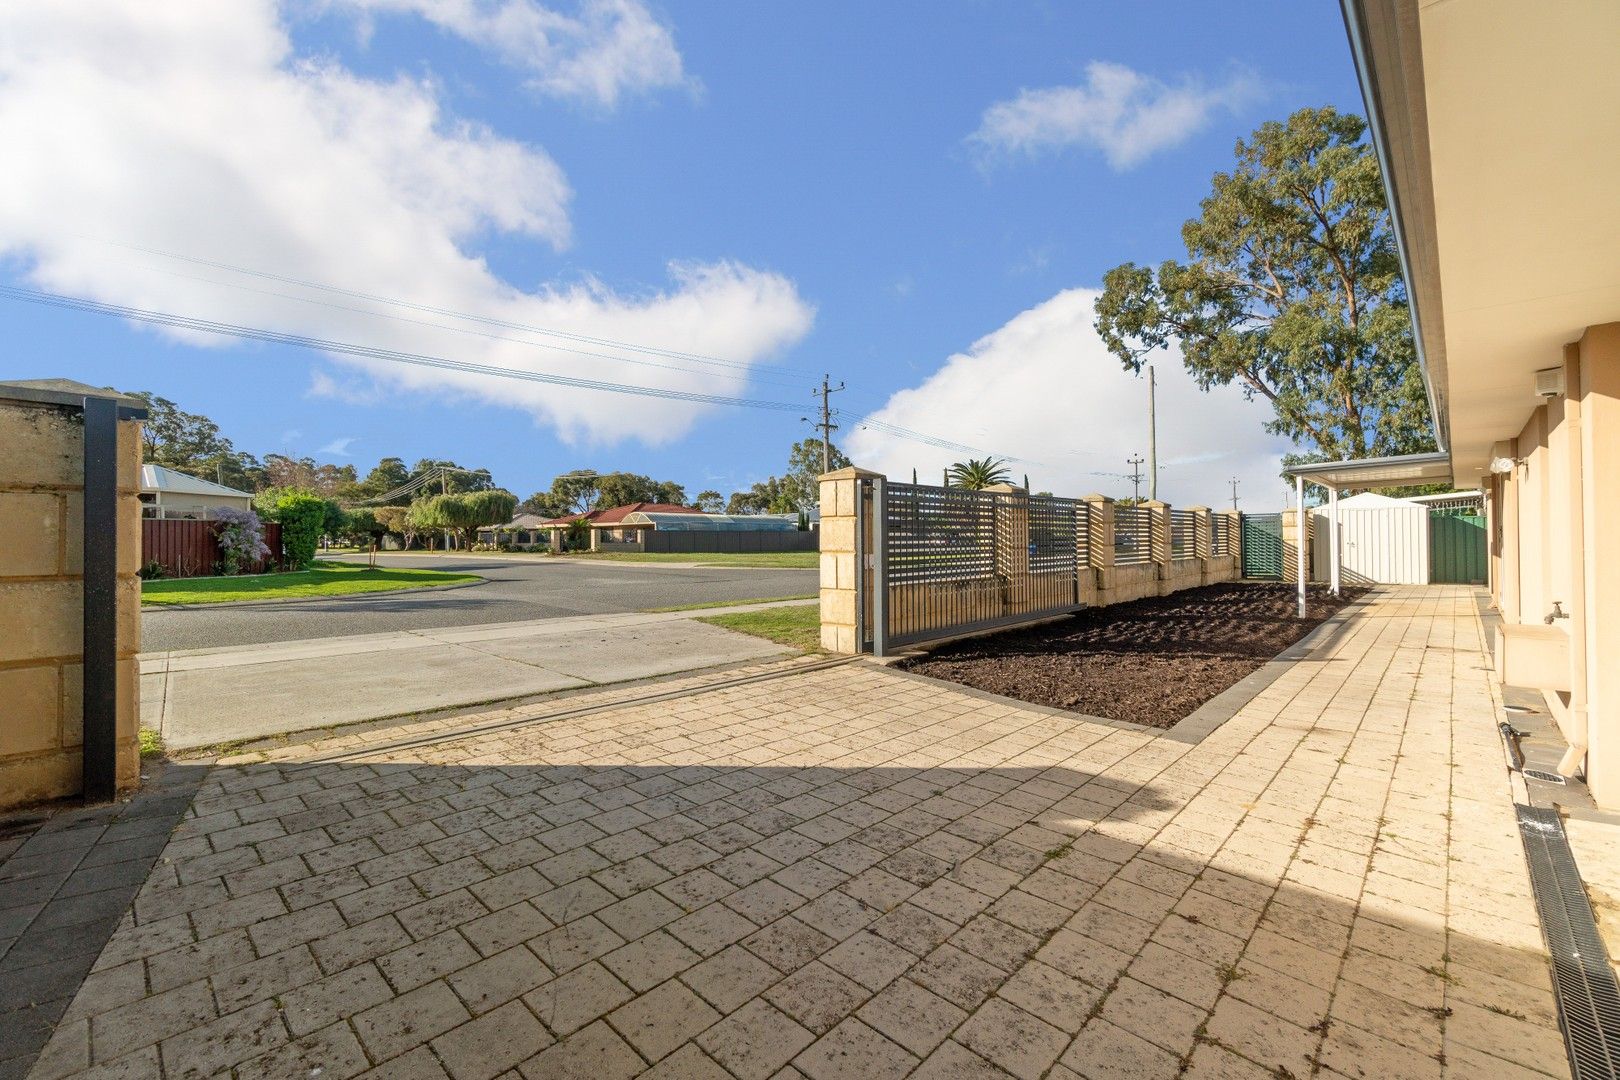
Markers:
point(1135, 462)
point(827, 426)
point(1153, 437)
point(1234, 483)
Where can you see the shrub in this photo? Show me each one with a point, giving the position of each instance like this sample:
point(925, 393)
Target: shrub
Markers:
point(578, 537)
point(152, 571)
point(241, 539)
point(302, 516)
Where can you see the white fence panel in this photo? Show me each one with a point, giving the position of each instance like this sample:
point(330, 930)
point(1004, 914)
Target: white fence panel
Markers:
point(1381, 545)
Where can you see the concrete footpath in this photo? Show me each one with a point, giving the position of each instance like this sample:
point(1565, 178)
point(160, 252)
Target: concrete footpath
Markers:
point(203, 697)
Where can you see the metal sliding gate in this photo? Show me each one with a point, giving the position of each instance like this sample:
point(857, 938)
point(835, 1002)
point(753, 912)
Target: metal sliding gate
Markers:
point(944, 561)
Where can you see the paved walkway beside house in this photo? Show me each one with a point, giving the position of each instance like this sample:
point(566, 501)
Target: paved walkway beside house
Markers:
point(205, 697)
point(842, 873)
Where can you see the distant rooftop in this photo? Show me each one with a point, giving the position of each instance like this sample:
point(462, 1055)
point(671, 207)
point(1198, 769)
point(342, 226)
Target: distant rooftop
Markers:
point(160, 478)
point(617, 514)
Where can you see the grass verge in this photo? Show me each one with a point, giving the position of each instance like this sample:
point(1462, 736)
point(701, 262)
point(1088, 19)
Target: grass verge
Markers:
point(796, 627)
point(728, 603)
point(323, 579)
point(792, 560)
point(151, 743)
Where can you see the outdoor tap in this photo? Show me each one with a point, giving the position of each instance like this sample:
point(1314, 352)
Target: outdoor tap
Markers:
point(1557, 612)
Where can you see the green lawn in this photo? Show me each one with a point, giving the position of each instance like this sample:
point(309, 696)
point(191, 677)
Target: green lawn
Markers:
point(323, 579)
point(798, 627)
point(793, 560)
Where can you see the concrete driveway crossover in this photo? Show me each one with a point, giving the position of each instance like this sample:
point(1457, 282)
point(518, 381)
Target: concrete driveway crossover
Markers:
point(845, 873)
point(205, 697)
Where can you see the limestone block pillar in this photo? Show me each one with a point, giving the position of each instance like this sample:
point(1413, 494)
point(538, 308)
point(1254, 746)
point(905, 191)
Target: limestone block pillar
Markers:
point(42, 607)
point(1203, 537)
point(846, 584)
point(1159, 538)
point(1291, 542)
point(1100, 551)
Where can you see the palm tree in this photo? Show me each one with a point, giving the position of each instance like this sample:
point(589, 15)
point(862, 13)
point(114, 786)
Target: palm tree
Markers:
point(976, 474)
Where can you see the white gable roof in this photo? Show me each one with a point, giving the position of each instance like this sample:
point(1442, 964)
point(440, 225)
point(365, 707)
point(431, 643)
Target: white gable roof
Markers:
point(159, 478)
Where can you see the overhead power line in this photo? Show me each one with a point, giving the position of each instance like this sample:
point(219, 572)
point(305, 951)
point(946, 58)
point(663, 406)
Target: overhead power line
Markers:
point(752, 375)
point(342, 348)
point(277, 337)
point(449, 312)
point(930, 440)
point(438, 473)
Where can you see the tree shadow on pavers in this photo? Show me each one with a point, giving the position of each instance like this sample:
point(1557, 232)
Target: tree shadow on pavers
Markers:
point(579, 919)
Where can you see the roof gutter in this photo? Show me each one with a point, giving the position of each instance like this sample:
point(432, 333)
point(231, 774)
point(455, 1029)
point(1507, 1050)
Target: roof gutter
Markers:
point(1366, 75)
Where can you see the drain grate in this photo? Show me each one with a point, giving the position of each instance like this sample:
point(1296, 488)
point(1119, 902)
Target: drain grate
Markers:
point(1543, 776)
point(1588, 997)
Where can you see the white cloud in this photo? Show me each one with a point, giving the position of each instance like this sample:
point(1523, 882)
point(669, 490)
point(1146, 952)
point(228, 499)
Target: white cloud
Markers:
point(1123, 113)
point(609, 48)
point(194, 127)
point(1044, 388)
point(338, 447)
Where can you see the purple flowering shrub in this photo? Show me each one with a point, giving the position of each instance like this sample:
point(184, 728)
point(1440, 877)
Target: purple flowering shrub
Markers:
point(241, 539)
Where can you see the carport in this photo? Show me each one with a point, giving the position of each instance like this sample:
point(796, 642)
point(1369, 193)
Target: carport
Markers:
point(1366, 474)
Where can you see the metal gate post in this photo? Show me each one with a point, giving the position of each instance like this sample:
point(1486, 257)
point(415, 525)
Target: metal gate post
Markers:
point(1300, 525)
point(100, 598)
point(860, 566)
point(880, 567)
point(1333, 539)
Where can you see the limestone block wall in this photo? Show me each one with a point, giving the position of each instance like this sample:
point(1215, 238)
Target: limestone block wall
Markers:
point(41, 601)
point(847, 587)
point(1178, 574)
point(840, 585)
point(1133, 581)
point(1290, 544)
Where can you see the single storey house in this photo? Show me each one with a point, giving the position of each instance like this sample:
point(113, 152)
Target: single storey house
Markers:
point(166, 493)
point(631, 525)
point(611, 526)
point(522, 530)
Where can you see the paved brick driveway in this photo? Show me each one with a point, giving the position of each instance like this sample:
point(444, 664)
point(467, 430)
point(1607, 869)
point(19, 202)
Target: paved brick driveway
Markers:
point(848, 873)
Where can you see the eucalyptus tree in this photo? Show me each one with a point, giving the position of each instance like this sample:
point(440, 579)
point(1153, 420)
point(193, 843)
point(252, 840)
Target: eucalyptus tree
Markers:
point(1291, 290)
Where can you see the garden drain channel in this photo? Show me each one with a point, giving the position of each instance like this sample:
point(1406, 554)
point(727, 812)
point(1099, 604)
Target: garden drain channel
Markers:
point(1583, 981)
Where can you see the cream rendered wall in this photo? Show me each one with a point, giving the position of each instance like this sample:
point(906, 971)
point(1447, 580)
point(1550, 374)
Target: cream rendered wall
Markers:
point(1559, 540)
point(1599, 482)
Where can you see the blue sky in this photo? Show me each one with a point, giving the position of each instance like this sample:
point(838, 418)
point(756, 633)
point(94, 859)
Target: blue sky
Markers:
point(911, 197)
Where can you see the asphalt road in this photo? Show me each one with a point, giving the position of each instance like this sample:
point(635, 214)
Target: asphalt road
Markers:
point(516, 590)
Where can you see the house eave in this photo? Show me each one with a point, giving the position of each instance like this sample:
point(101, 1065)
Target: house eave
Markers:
point(1386, 46)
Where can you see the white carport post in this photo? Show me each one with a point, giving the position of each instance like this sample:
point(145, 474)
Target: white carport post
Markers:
point(1333, 539)
point(1300, 537)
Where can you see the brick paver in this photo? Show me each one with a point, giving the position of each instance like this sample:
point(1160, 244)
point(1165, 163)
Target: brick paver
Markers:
point(847, 873)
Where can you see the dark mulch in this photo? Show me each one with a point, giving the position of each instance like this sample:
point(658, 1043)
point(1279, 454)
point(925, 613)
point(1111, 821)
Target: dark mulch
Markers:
point(1149, 662)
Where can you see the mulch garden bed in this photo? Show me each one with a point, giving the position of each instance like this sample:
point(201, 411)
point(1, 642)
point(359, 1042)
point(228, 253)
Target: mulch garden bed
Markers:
point(1148, 662)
